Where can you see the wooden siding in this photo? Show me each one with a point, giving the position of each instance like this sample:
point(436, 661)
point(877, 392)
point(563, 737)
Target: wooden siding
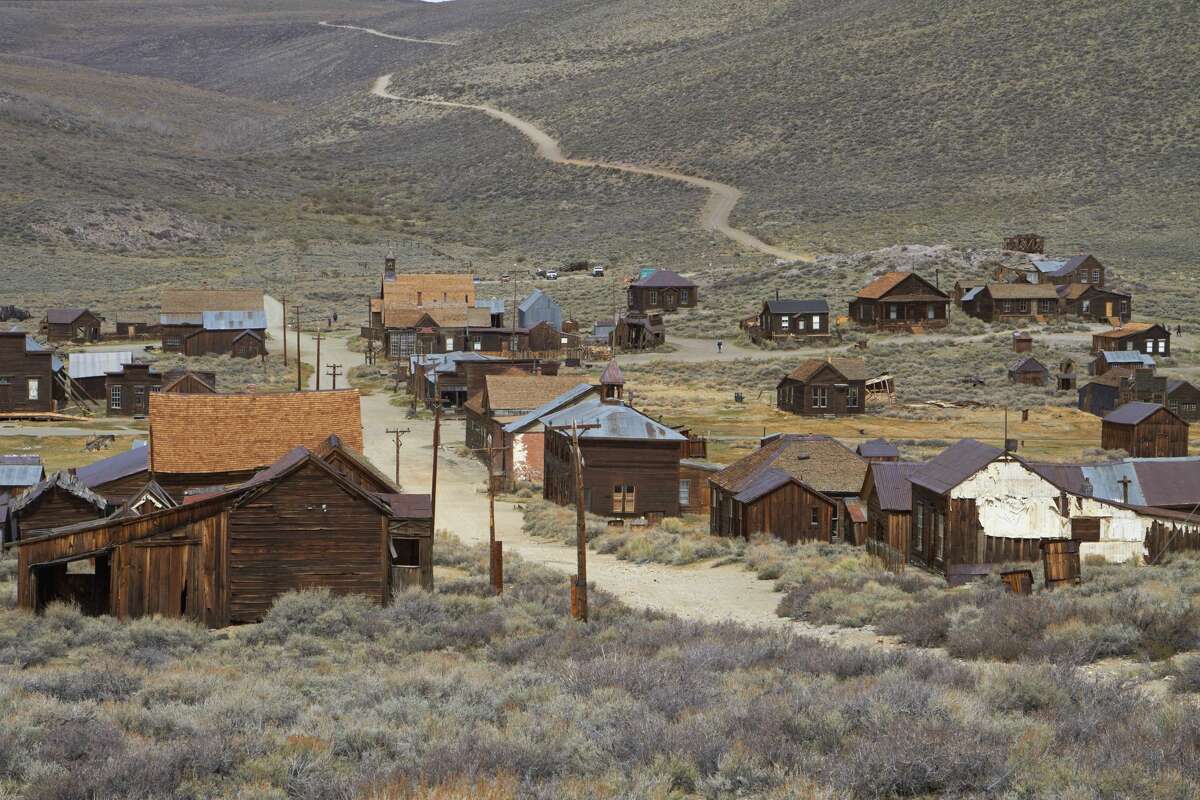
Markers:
point(887, 531)
point(796, 396)
point(85, 328)
point(136, 382)
point(1161, 435)
point(651, 298)
point(651, 467)
point(56, 507)
point(17, 368)
point(232, 342)
point(118, 491)
point(1136, 341)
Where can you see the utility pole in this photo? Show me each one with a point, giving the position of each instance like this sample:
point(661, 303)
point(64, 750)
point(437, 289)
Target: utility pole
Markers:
point(397, 433)
point(283, 299)
point(437, 445)
point(495, 548)
point(579, 602)
point(298, 386)
point(334, 370)
point(318, 338)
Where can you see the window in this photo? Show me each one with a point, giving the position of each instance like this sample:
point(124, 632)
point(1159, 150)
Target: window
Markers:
point(5, 380)
point(405, 552)
point(449, 343)
point(1046, 306)
point(476, 344)
point(939, 537)
point(1085, 306)
point(930, 311)
point(816, 518)
point(154, 389)
point(918, 531)
point(139, 397)
point(563, 341)
point(34, 388)
point(816, 322)
point(114, 397)
point(820, 397)
point(394, 345)
point(1124, 306)
point(685, 492)
point(1149, 345)
point(1162, 345)
point(653, 297)
point(835, 532)
point(784, 322)
point(893, 311)
point(624, 499)
point(852, 397)
point(1095, 276)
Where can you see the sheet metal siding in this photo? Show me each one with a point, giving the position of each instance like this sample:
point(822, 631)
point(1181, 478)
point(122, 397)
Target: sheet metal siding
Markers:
point(20, 474)
point(234, 320)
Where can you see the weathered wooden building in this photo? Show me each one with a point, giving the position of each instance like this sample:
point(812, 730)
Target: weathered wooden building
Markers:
point(818, 387)
point(1028, 370)
point(900, 301)
point(1145, 337)
point(636, 331)
point(887, 495)
point(127, 390)
point(1123, 360)
point(1145, 430)
point(88, 368)
point(1095, 303)
point(71, 325)
point(1022, 342)
point(792, 319)
point(118, 477)
point(630, 461)
point(1076, 269)
point(874, 450)
point(524, 438)
point(226, 556)
point(1006, 302)
point(199, 322)
point(1102, 393)
point(206, 440)
point(662, 291)
point(506, 397)
point(29, 374)
point(795, 487)
point(59, 499)
point(539, 307)
point(695, 497)
point(186, 381)
point(20, 472)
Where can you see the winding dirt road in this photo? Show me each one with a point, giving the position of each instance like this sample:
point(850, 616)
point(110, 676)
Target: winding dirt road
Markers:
point(721, 196)
point(374, 32)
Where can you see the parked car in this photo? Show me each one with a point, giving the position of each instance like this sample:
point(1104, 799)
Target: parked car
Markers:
point(551, 274)
point(598, 271)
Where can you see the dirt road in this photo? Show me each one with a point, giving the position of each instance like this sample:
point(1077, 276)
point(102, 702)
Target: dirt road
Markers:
point(374, 32)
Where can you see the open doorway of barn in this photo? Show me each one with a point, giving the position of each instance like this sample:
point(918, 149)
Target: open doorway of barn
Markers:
point(84, 581)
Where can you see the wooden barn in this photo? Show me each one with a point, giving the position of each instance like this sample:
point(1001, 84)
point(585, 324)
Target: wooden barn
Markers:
point(817, 387)
point(226, 556)
point(19, 472)
point(795, 487)
point(1028, 370)
point(127, 390)
point(29, 374)
point(206, 440)
point(792, 319)
point(1145, 430)
point(1144, 337)
point(1095, 304)
point(71, 325)
point(118, 477)
point(59, 499)
point(900, 301)
point(887, 495)
point(874, 450)
point(662, 291)
point(199, 322)
point(1001, 302)
point(630, 461)
point(636, 331)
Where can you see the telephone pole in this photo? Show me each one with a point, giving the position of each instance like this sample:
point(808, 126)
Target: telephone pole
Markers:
point(334, 370)
point(283, 300)
point(318, 338)
point(437, 445)
point(397, 433)
point(495, 548)
point(298, 372)
point(579, 601)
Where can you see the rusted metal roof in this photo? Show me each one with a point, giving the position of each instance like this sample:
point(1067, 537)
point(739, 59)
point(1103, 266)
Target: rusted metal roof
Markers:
point(409, 506)
point(955, 464)
point(1028, 364)
point(877, 448)
point(64, 316)
point(854, 508)
point(616, 421)
point(1132, 413)
point(892, 483)
point(763, 483)
point(122, 465)
point(1168, 481)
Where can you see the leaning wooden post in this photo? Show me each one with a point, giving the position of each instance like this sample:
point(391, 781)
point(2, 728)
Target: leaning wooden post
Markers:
point(298, 387)
point(579, 603)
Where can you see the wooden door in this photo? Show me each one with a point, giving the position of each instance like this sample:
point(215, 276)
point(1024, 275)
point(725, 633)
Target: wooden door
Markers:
point(168, 572)
point(1162, 445)
point(670, 299)
point(1108, 309)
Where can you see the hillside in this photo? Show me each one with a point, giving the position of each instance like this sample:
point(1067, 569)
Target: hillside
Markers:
point(848, 126)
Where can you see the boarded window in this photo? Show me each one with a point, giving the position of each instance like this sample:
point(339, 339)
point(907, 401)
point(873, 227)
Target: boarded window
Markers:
point(405, 552)
point(1085, 529)
point(624, 499)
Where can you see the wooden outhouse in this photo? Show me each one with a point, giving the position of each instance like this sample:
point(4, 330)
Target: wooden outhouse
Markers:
point(1145, 430)
point(1022, 342)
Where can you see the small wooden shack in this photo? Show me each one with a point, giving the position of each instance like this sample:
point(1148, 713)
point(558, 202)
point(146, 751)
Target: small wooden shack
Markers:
point(226, 556)
point(127, 390)
point(59, 499)
point(887, 495)
point(900, 301)
point(1028, 370)
point(1144, 337)
point(663, 291)
point(818, 387)
point(29, 374)
point(71, 325)
point(1021, 342)
point(637, 331)
point(1147, 430)
point(1124, 360)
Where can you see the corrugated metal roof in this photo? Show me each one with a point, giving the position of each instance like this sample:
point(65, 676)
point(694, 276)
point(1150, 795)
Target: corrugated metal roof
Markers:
point(1168, 481)
point(972, 293)
point(20, 470)
point(877, 448)
point(955, 464)
point(409, 506)
point(1132, 413)
point(797, 307)
point(1106, 482)
point(135, 459)
point(1127, 357)
point(664, 278)
point(892, 483)
point(494, 305)
point(190, 318)
point(764, 483)
point(1047, 266)
point(525, 420)
point(234, 320)
point(95, 364)
point(616, 421)
point(530, 300)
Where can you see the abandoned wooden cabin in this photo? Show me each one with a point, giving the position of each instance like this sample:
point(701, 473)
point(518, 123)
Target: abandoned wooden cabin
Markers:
point(695, 496)
point(1145, 337)
point(1028, 370)
point(1125, 361)
point(59, 499)
point(1022, 342)
point(118, 477)
point(795, 487)
point(226, 556)
point(1102, 393)
point(874, 450)
point(199, 322)
point(1095, 303)
point(71, 325)
point(88, 369)
point(206, 440)
point(31, 376)
point(1025, 243)
point(792, 319)
point(504, 398)
point(140, 329)
point(900, 301)
point(663, 291)
point(818, 387)
point(1145, 430)
point(185, 381)
point(20, 472)
point(1001, 302)
point(887, 495)
point(630, 461)
point(636, 331)
point(1076, 269)
point(127, 390)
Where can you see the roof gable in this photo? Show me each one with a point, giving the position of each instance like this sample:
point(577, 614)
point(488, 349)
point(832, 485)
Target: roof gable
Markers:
point(820, 462)
point(796, 307)
point(1136, 413)
point(897, 282)
point(849, 369)
point(893, 485)
point(954, 465)
point(525, 391)
point(121, 465)
point(665, 279)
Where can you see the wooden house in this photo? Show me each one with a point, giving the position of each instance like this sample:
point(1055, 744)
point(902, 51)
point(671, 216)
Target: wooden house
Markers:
point(1183, 399)
point(199, 322)
point(186, 381)
point(506, 397)
point(206, 440)
point(1022, 342)
point(536, 308)
point(1076, 269)
point(1102, 393)
point(695, 497)
point(817, 387)
point(19, 473)
point(636, 331)
point(1124, 361)
point(630, 461)
point(71, 325)
point(795, 487)
point(29, 374)
point(662, 291)
point(1142, 385)
point(524, 439)
point(1144, 337)
point(87, 370)
point(874, 450)
point(900, 301)
point(1094, 303)
point(118, 477)
point(1000, 302)
point(226, 556)
point(59, 499)
point(1145, 430)
point(792, 319)
point(1028, 370)
point(127, 390)
point(887, 495)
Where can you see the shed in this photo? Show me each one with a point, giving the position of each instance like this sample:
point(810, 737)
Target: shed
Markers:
point(71, 325)
point(539, 307)
point(59, 499)
point(1145, 430)
point(878, 450)
point(1021, 342)
point(1127, 360)
point(29, 374)
point(1028, 370)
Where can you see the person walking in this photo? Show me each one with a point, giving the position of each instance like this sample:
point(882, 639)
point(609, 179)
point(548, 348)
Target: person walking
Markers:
point(720, 344)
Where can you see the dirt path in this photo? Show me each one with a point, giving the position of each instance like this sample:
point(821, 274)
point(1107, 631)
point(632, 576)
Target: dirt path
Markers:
point(374, 32)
